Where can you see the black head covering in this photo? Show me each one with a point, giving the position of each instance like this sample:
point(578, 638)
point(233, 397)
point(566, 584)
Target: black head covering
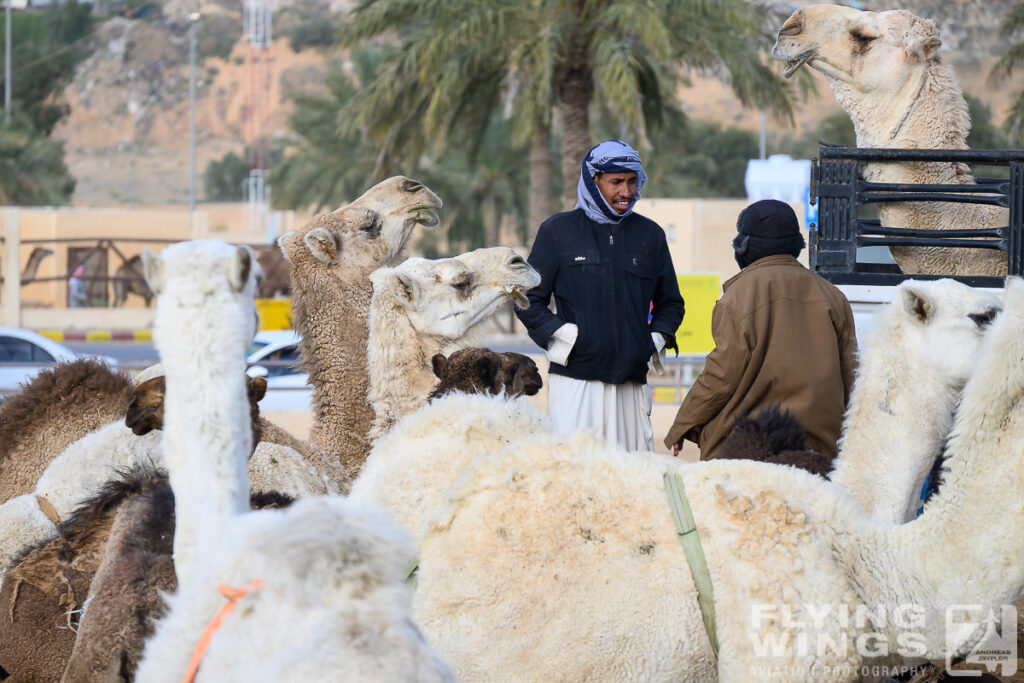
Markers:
point(766, 228)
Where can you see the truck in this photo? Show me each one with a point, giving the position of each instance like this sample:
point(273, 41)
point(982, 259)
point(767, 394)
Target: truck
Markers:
point(841, 235)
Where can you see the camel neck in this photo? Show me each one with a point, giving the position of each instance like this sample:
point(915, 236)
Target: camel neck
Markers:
point(884, 457)
point(331, 316)
point(398, 358)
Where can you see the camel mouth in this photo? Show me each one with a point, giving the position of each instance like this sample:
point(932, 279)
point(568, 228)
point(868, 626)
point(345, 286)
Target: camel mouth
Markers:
point(519, 298)
point(425, 215)
point(794, 64)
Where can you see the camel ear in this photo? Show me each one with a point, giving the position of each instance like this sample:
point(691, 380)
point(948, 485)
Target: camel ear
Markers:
point(285, 241)
point(323, 245)
point(152, 270)
point(917, 304)
point(240, 268)
point(438, 362)
point(922, 47)
point(518, 381)
point(258, 387)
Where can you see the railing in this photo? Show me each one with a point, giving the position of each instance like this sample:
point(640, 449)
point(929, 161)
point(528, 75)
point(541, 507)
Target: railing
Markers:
point(840, 190)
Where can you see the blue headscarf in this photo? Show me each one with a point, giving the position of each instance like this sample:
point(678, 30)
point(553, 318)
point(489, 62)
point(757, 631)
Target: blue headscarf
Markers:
point(611, 156)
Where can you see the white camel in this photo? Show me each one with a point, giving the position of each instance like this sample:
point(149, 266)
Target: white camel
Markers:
point(330, 601)
point(422, 308)
point(560, 539)
point(910, 374)
point(887, 74)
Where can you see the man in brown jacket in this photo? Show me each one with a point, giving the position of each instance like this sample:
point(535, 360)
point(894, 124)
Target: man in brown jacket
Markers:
point(782, 335)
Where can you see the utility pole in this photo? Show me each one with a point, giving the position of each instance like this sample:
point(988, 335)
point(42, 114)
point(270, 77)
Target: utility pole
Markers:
point(7, 63)
point(193, 19)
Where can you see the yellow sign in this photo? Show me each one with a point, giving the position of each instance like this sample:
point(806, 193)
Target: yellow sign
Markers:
point(700, 292)
point(276, 314)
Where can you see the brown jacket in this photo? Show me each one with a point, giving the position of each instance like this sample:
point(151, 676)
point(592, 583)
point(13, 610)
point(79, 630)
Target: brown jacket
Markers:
point(782, 335)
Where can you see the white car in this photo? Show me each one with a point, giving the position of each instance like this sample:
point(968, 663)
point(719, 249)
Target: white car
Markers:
point(23, 353)
point(274, 355)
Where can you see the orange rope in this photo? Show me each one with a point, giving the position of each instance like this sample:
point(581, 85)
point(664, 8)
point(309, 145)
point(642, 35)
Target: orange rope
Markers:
point(233, 595)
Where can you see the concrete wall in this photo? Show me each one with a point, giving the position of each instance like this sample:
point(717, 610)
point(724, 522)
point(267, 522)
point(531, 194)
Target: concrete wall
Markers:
point(699, 233)
point(43, 304)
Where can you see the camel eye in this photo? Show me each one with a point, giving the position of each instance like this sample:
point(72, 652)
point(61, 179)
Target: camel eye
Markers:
point(862, 39)
point(985, 318)
point(462, 286)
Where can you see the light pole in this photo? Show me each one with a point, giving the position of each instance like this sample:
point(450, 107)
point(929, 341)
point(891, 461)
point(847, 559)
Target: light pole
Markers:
point(193, 19)
point(7, 63)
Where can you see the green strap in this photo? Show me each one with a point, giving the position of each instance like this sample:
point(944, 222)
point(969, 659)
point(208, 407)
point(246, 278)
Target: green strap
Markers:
point(686, 529)
point(412, 570)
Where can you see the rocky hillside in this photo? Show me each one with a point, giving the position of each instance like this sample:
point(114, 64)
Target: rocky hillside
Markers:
point(127, 135)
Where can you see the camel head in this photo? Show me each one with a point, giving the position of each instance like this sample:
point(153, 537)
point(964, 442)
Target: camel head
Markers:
point(481, 370)
point(448, 298)
point(402, 204)
point(869, 58)
point(198, 276)
point(944, 321)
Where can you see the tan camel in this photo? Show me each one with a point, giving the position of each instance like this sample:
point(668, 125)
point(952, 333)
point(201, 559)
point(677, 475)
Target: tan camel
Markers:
point(331, 261)
point(887, 74)
point(36, 426)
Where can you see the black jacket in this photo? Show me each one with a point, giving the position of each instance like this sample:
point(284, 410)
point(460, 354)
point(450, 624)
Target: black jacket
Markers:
point(604, 278)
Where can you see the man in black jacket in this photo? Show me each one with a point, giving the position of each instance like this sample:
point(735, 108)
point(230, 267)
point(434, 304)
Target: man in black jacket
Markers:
point(607, 268)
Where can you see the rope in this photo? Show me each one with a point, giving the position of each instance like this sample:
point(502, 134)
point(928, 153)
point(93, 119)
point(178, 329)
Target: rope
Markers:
point(233, 595)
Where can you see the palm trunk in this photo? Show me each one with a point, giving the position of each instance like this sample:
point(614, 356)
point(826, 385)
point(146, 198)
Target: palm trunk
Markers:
point(495, 236)
point(541, 204)
point(574, 95)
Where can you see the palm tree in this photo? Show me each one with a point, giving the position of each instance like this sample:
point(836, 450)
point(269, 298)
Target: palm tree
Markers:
point(460, 60)
point(1011, 25)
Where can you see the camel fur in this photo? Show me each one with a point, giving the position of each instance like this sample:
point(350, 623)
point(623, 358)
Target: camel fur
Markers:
point(534, 550)
point(479, 369)
point(331, 259)
point(775, 436)
point(58, 406)
point(333, 603)
point(915, 363)
point(421, 308)
point(887, 74)
point(126, 594)
point(86, 465)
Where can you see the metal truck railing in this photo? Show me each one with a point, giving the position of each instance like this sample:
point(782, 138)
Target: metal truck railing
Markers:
point(839, 191)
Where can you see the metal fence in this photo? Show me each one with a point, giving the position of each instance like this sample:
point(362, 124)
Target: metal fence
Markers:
point(840, 190)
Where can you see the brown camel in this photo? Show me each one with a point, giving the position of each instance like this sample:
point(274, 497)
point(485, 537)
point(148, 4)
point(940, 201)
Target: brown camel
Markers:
point(57, 407)
point(129, 280)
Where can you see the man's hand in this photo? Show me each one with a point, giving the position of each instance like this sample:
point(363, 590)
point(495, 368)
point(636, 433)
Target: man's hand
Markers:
point(676, 447)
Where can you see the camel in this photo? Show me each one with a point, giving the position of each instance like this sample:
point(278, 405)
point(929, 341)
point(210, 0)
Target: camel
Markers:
point(32, 265)
point(887, 74)
point(326, 596)
point(482, 370)
point(421, 308)
point(128, 280)
point(532, 550)
point(276, 280)
point(54, 411)
point(57, 407)
point(331, 260)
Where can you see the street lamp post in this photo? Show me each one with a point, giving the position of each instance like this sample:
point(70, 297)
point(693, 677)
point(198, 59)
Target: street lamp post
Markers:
point(7, 62)
point(193, 19)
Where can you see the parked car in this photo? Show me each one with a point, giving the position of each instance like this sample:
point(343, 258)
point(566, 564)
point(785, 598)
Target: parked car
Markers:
point(23, 353)
point(274, 355)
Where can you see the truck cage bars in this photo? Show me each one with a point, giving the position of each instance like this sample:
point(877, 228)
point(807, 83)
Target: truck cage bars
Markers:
point(839, 189)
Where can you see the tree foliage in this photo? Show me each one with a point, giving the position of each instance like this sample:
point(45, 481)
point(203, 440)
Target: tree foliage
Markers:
point(460, 61)
point(45, 48)
point(1012, 28)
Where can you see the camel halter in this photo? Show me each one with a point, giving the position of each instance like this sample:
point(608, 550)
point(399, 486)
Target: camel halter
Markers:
point(233, 595)
point(686, 529)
